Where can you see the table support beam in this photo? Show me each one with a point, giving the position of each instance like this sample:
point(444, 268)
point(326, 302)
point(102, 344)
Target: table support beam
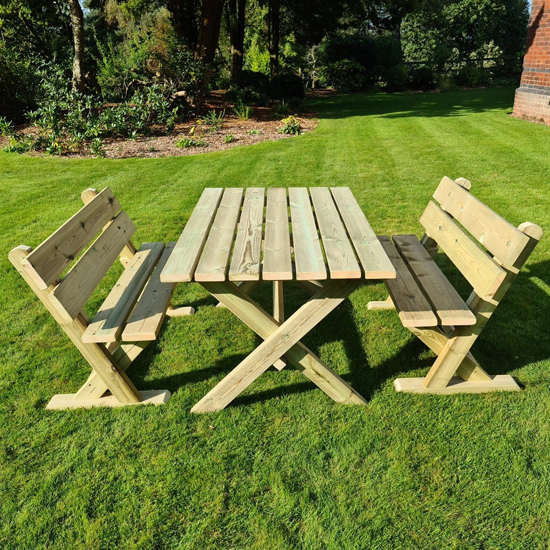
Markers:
point(280, 340)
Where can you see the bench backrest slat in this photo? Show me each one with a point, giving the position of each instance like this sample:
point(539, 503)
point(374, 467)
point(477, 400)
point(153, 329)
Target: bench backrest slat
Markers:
point(53, 256)
point(75, 289)
point(498, 236)
point(481, 271)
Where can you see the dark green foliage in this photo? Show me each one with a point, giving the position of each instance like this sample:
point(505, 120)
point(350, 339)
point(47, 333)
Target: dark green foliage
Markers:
point(286, 86)
point(421, 78)
point(346, 75)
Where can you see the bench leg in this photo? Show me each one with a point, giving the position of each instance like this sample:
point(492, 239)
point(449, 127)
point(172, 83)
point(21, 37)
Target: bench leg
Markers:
point(247, 287)
point(440, 379)
point(278, 341)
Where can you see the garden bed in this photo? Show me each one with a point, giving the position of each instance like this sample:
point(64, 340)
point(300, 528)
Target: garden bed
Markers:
point(264, 124)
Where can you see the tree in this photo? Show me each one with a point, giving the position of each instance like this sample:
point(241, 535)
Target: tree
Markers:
point(209, 30)
point(77, 23)
point(237, 23)
point(185, 19)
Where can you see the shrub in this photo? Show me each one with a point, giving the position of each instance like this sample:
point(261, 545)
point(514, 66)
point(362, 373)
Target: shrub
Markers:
point(447, 83)
point(471, 76)
point(421, 78)
point(255, 81)
point(290, 126)
point(396, 78)
point(346, 75)
point(287, 85)
point(254, 132)
point(387, 51)
point(213, 119)
point(229, 138)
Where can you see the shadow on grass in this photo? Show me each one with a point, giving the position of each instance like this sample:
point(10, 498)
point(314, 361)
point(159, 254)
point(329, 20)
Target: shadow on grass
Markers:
point(514, 337)
point(451, 104)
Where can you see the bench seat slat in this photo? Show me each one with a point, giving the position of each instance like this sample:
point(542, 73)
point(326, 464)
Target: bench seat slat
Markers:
point(146, 319)
point(109, 321)
point(60, 249)
point(449, 307)
point(412, 306)
point(78, 285)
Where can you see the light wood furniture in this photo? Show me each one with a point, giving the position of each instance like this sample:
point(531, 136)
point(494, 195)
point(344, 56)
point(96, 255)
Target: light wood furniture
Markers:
point(130, 317)
point(319, 238)
point(428, 304)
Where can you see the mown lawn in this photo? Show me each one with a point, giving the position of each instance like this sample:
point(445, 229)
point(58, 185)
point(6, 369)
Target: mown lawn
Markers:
point(284, 467)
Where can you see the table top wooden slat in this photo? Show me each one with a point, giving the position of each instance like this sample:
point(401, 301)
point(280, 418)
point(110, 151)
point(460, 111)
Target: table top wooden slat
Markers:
point(370, 252)
point(214, 261)
point(308, 256)
point(338, 250)
point(277, 262)
point(181, 264)
point(245, 264)
point(217, 225)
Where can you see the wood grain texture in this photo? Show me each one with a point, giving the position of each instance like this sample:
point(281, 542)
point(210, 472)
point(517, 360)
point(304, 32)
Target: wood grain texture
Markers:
point(450, 308)
point(78, 285)
point(108, 323)
point(308, 256)
point(497, 235)
point(276, 343)
point(61, 248)
point(214, 261)
point(185, 256)
point(245, 263)
point(482, 272)
point(370, 252)
point(339, 251)
point(146, 319)
point(113, 376)
point(501, 382)
point(277, 262)
point(412, 306)
point(72, 401)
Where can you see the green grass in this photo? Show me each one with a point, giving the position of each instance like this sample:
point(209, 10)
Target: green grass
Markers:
point(284, 467)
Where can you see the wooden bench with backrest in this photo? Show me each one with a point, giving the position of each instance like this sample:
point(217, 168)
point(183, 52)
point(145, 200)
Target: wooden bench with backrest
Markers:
point(429, 305)
point(131, 315)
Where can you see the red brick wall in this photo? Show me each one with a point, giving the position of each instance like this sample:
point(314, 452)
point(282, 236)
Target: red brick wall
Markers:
point(533, 96)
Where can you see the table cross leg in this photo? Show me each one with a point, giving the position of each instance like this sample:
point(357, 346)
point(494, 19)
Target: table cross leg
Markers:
point(280, 340)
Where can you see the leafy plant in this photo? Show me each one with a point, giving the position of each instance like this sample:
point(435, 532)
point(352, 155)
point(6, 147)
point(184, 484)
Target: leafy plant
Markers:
point(281, 109)
point(96, 148)
point(6, 127)
point(229, 138)
point(213, 119)
point(254, 132)
point(185, 142)
point(290, 125)
point(242, 111)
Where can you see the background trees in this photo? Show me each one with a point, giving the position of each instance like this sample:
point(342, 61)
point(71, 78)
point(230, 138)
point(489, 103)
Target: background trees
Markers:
point(113, 48)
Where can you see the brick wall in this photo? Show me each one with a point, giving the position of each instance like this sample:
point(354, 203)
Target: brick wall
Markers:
point(532, 100)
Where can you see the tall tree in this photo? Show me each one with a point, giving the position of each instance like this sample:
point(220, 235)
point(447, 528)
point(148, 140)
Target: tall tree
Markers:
point(77, 23)
point(209, 29)
point(274, 34)
point(237, 23)
point(185, 19)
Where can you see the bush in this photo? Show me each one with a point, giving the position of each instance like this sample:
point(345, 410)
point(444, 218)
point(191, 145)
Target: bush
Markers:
point(387, 51)
point(286, 86)
point(290, 126)
point(253, 89)
point(446, 83)
point(346, 75)
point(254, 81)
point(472, 76)
point(356, 47)
point(396, 78)
point(421, 78)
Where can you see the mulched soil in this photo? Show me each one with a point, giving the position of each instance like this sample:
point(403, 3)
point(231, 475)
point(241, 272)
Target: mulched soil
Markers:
point(263, 120)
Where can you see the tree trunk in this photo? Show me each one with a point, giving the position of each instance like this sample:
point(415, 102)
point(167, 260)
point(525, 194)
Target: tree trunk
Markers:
point(184, 17)
point(237, 10)
point(77, 23)
point(209, 30)
point(274, 19)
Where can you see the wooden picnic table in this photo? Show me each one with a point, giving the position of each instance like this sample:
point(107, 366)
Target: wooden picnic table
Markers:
point(318, 237)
